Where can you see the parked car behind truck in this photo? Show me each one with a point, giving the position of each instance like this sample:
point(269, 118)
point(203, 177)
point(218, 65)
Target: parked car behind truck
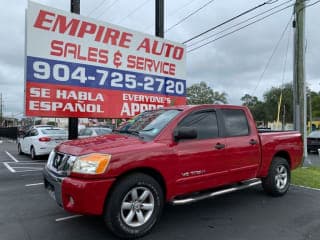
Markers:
point(40, 140)
point(179, 155)
point(94, 131)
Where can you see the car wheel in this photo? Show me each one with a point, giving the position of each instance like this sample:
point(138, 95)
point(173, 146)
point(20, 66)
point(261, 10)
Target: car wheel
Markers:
point(277, 182)
point(33, 153)
point(19, 149)
point(134, 206)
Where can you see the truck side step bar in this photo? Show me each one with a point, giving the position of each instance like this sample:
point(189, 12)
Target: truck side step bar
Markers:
point(233, 188)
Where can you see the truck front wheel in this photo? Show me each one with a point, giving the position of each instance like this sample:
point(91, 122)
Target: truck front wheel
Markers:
point(277, 182)
point(134, 206)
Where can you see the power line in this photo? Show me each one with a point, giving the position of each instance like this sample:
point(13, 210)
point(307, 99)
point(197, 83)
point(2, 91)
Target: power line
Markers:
point(231, 19)
point(273, 53)
point(108, 8)
point(237, 24)
point(238, 29)
point(174, 12)
point(311, 4)
point(99, 5)
point(133, 11)
point(286, 56)
point(189, 15)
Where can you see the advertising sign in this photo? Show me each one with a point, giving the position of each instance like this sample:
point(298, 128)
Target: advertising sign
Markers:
point(80, 67)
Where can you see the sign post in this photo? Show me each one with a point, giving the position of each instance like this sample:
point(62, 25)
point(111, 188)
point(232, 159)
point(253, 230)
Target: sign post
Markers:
point(73, 121)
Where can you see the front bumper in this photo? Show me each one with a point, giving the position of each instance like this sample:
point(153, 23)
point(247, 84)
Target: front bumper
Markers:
point(81, 196)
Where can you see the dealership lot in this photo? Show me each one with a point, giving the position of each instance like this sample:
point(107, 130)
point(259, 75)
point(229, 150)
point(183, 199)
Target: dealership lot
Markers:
point(28, 212)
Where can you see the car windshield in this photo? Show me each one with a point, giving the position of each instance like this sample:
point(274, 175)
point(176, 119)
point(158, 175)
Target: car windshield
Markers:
point(149, 124)
point(53, 131)
point(315, 134)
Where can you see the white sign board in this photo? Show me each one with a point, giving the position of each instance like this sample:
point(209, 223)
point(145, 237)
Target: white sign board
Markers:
point(81, 67)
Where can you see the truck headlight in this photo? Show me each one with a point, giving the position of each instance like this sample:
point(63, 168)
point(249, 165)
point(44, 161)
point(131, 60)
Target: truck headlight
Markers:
point(94, 163)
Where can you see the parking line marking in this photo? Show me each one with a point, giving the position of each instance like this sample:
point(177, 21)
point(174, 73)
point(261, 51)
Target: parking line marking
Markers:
point(33, 184)
point(32, 168)
point(23, 162)
point(28, 171)
point(9, 168)
point(310, 188)
point(23, 169)
point(12, 157)
point(66, 218)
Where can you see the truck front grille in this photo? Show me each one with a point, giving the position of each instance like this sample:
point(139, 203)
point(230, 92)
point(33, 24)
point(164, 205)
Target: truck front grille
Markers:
point(60, 163)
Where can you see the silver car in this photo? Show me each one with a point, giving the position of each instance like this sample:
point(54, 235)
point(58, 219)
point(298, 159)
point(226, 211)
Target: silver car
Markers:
point(94, 131)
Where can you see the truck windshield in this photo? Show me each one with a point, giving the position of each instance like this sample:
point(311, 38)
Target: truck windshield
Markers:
point(148, 124)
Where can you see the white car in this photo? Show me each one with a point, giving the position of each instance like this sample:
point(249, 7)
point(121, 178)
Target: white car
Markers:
point(41, 140)
point(94, 131)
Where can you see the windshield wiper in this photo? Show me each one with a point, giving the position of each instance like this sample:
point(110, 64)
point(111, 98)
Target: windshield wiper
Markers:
point(147, 130)
point(133, 132)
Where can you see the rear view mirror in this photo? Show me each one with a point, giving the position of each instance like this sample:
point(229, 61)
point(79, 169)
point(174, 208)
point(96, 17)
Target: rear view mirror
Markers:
point(185, 133)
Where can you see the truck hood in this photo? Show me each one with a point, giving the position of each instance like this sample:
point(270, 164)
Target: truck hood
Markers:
point(103, 144)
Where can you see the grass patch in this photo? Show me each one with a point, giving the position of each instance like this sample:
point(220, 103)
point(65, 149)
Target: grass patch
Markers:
point(308, 177)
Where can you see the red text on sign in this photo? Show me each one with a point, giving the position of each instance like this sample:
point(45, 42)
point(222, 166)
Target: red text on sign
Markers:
point(151, 65)
point(91, 54)
point(74, 27)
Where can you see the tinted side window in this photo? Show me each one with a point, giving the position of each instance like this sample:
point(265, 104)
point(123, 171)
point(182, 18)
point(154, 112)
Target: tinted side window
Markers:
point(34, 132)
point(205, 123)
point(235, 121)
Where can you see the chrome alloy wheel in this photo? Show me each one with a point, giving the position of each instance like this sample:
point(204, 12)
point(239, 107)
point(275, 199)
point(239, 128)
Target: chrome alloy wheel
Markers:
point(137, 206)
point(281, 177)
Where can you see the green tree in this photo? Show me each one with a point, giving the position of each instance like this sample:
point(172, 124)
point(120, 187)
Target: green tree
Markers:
point(315, 105)
point(201, 93)
point(256, 107)
point(271, 99)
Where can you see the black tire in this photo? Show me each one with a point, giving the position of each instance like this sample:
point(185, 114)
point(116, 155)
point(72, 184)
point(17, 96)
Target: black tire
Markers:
point(277, 182)
point(33, 153)
point(19, 149)
point(119, 207)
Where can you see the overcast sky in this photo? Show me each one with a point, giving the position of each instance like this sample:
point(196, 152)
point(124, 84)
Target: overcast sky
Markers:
point(233, 64)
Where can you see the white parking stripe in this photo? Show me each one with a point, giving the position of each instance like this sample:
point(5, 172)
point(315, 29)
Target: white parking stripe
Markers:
point(12, 157)
point(37, 170)
point(310, 188)
point(66, 218)
point(31, 168)
point(9, 168)
point(33, 184)
point(25, 162)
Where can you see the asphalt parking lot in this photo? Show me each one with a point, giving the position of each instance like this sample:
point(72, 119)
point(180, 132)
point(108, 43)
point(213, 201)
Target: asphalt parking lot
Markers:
point(28, 212)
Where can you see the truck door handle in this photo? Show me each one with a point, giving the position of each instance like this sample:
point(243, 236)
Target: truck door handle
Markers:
point(253, 142)
point(219, 146)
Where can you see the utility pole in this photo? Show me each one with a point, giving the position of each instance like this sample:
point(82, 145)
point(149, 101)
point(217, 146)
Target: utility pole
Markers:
point(310, 111)
point(159, 18)
point(73, 122)
point(299, 87)
point(1, 109)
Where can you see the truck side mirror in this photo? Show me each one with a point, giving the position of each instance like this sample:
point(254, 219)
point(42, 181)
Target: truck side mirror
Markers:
point(185, 133)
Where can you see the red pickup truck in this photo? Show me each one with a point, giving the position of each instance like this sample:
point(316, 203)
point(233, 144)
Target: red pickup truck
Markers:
point(177, 154)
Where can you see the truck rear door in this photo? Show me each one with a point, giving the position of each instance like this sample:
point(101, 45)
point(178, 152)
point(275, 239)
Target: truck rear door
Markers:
point(242, 145)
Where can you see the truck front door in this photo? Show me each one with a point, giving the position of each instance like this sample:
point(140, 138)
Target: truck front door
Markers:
point(201, 163)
